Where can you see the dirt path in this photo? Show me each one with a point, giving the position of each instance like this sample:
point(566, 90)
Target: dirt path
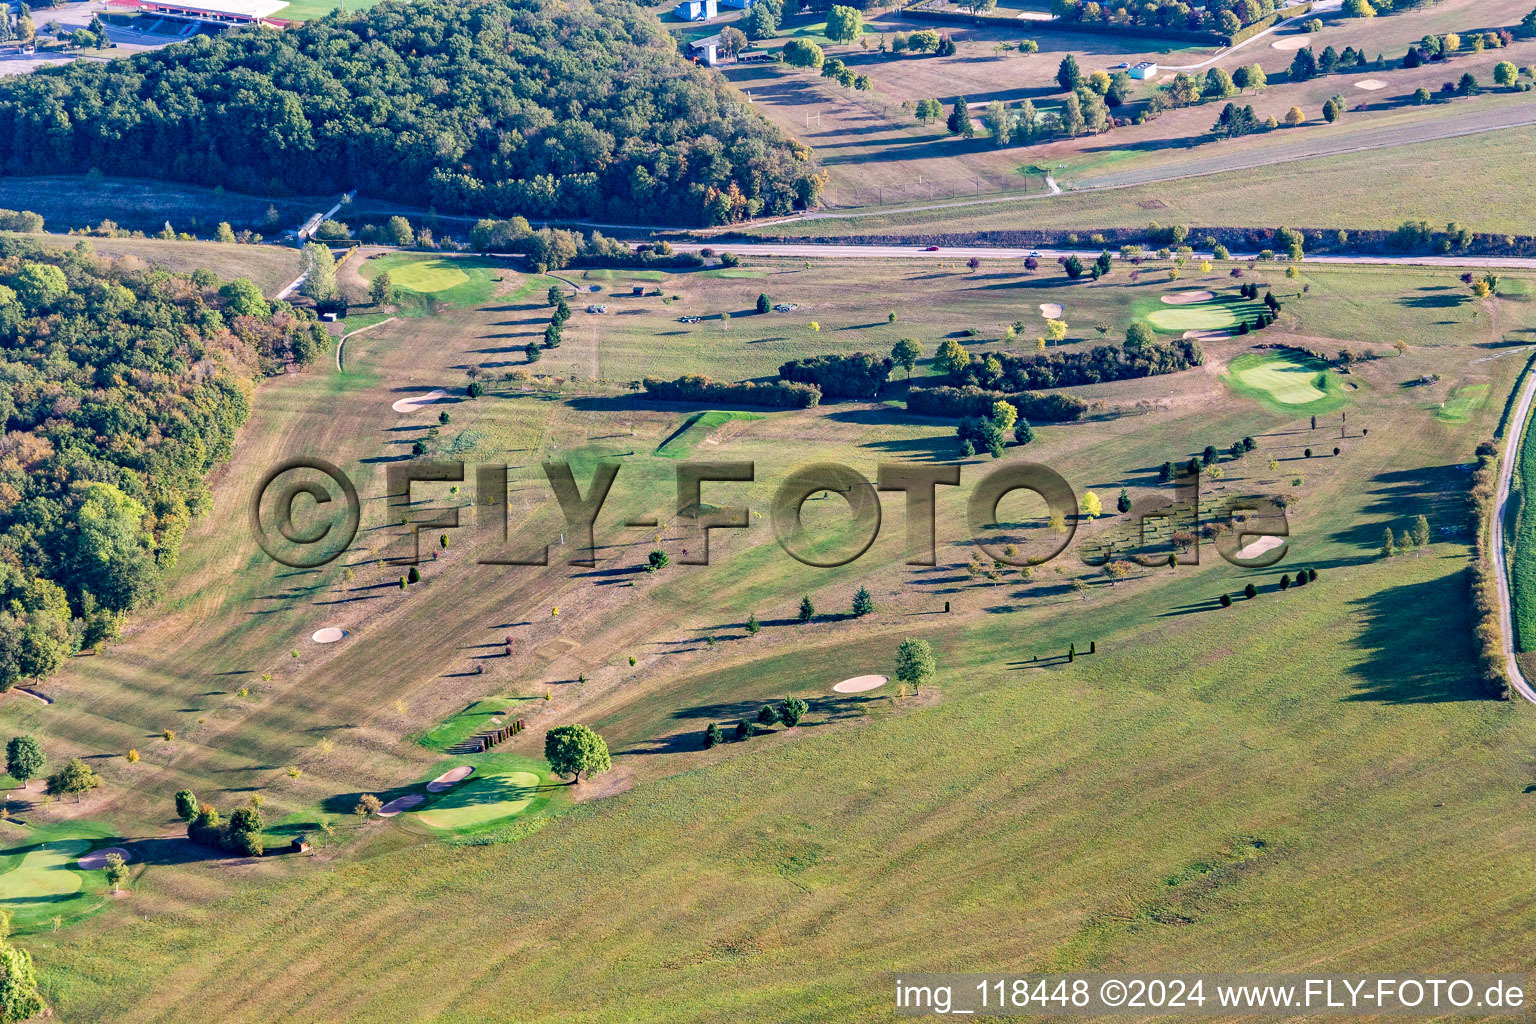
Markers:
point(1501, 573)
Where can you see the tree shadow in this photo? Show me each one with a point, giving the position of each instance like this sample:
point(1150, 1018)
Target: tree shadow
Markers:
point(1417, 640)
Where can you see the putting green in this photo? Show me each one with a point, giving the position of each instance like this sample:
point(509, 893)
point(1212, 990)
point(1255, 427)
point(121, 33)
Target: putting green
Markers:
point(484, 799)
point(44, 875)
point(1292, 382)
point(427, 276)
point(1201, 316)
point(1462, 403)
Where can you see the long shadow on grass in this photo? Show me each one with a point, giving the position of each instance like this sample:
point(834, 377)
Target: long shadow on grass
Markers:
point(1417, 640)
point(1396, 497)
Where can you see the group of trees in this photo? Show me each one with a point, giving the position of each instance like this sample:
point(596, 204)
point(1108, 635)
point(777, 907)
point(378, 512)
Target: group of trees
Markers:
point(1483, 580)
point(21, 29)
point(120, 388)
point(1041, 407)
point(555, 248)
point(1307, 64)
point(990, 432)
point(488, 106)
point(1222, 16)
point(1142, 355)
point(845, 76)
point(789, 711)
point(1415, 538)
point(762, 20)
point(859, 375)
point(242, 833)
point(556, 326)
point(925, 40)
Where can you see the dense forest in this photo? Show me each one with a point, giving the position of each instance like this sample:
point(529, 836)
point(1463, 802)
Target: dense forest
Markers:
point(120, 388)
point(506, 107)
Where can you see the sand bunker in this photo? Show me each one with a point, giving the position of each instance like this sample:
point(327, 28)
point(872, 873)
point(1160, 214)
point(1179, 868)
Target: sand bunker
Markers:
point(400, 803)
point(449, 778)
point(859, 684)
point(1187, 298)
point(1370, 84)
point(1260, 546)
point(97, 859)
point(328, 635)
point(1050, 310)
point(1291, 42)
point(1207, 335)
point(417, 401)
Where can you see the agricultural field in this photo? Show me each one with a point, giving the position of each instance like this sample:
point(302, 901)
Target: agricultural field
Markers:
point(1342, 762)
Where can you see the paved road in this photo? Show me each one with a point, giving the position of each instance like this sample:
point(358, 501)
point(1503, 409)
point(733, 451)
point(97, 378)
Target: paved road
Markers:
point(1501, 574)
point(951, 252)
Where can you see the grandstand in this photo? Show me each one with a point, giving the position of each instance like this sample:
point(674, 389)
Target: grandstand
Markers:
point(212, 12)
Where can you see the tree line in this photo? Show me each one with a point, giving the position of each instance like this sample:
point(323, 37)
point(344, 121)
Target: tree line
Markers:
point(502, 107)
point(120, 388)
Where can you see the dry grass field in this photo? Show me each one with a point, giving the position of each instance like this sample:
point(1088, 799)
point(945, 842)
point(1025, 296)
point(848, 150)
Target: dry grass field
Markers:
point(1333, 792)
point(878, 154)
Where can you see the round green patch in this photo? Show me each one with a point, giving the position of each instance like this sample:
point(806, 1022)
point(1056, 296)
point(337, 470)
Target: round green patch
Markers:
point(1289, 381)
point(47, 873)
point(1201, 316)
point(483, 799)
point(428, 276)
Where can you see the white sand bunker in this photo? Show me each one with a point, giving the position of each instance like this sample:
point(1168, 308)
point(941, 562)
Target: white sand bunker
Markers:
point(1370, 84)
point(1291, 42)
point(1260, 546)
point(97, 859)
point(859, 684)
point(328, 635)
point(449, 778)
point(417, 401)
point(400, 803)
point(1186, 298)
point(1050, 310)
point(1209, 334)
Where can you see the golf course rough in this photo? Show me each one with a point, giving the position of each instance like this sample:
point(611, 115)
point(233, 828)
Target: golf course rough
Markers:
point(1287, 381)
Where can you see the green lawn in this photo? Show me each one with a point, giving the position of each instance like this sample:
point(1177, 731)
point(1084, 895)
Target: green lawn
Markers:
point(482, 798)
point(308, 10)
point(1463, 400)
point(696, 428)
point(424, 283)
point(1287, 380)
point(39, 876)
point(472, 720)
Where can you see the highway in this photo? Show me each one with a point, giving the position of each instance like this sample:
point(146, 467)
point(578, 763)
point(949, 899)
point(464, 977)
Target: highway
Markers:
point(809, 250)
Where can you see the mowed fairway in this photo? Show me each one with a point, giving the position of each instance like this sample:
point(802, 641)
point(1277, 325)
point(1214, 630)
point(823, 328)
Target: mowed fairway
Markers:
point(1307, 778)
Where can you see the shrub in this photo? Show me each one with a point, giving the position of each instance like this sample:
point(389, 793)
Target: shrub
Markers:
point(792, 710)
point(1226, 600)
point(712, 736)
point(1250, 592)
